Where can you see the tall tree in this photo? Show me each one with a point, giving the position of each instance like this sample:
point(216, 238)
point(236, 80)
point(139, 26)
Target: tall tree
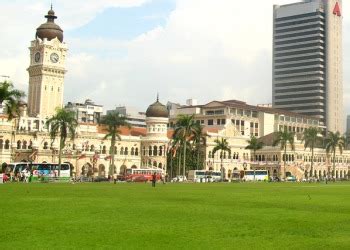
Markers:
point(113, 121)
point(255, 145)
point(284, 138)
point(62, 124)
point(184, 129)
point(333, 142)
point(10, 98)
point(222, 146)
point(311, 138)
point(199, 140)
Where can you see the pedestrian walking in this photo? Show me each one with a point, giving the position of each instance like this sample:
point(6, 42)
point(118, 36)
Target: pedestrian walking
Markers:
point(115, 178)
point(154, 179)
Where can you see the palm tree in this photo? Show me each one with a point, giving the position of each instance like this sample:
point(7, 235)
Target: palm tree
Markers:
point(199, 139)
point(184, 129)
point(223, 146)
point(113, 121)
point(10, 98)
point(283, 139)
point(332, 142)
point(254, 144)
point(63, 124)
point(311, 138)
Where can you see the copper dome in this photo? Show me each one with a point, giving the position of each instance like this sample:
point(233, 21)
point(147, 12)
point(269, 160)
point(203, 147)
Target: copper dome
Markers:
point(157, 110)
point(49, 30)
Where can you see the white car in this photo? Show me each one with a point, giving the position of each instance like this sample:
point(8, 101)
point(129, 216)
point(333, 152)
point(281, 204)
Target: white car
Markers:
point(179, 178)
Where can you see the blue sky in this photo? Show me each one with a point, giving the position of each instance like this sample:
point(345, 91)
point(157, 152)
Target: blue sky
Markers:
point(126, 23)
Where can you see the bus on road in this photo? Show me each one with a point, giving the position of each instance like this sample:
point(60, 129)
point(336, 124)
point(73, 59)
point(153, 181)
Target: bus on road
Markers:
point(204, 176)
point(256, 175)
point(142, 174)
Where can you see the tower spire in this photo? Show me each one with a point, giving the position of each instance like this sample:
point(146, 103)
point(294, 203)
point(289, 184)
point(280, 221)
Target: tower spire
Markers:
point(157, 96)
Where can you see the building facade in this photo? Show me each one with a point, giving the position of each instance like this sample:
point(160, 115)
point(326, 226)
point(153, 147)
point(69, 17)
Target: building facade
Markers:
point(307, 60)
point(47, 69)
point(247, 119)
point(133, 116)
point(87, 112)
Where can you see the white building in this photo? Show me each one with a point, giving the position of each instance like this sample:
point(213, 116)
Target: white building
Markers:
point(307, 60)
point(87, 112)
point(133, 116)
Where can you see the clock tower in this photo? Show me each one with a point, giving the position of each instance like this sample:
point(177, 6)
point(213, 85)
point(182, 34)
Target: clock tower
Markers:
point(47, 69)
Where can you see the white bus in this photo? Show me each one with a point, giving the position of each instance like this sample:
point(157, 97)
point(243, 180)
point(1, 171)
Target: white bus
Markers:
point(39, 171)
point(256, 175)
point(204, 176)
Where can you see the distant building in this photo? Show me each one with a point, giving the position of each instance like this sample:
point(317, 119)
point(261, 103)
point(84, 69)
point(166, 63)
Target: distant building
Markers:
point(246, 119)
point(87, 112)
point(348, 124)
point(134, 117)
point(308, 59)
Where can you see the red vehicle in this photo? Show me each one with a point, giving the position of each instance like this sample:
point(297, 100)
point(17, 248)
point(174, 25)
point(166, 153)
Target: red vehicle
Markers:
point(142, 174)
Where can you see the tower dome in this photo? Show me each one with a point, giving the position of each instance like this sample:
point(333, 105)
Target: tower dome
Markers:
point(49, 30)
point(157, 110)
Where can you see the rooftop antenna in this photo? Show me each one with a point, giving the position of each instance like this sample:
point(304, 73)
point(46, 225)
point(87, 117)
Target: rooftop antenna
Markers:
point(157, 96)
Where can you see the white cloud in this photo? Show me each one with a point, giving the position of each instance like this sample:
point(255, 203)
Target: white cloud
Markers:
point(207, 50)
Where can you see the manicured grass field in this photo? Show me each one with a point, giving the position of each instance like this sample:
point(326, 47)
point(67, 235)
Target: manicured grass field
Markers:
point(175, 216)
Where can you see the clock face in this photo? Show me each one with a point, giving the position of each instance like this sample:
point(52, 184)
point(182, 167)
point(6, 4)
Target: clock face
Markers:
point(54, 57)
point(37, 57)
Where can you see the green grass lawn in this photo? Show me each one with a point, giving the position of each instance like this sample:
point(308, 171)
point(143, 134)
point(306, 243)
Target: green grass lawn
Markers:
point(174, 216)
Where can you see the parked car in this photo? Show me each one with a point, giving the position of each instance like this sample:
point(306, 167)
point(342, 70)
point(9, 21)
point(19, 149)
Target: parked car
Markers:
point(291, 178)
point(179, 178)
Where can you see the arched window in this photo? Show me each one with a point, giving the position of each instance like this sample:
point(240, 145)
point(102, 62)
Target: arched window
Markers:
point(209, 154)
point(7, 144)
point(144, 151)
point(160, 151)
point(1, 144)
point(46, 145)
point(24, 146)
point(229, 155)
point(126, 151)
point(154, 164)
point(224, 155)
point(136, 151)
point(104, 150)
point(19, 144)
point(150, 150)
point(155, 150)
point(92, 148)
point(121, 151)
point(132, 151)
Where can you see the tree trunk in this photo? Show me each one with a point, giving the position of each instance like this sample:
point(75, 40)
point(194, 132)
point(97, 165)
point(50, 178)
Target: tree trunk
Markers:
point(60, 157)
point(184, 162)
point(171, 165)
point(285, 159)
point(112, 152)
point(197, 167)
point(312, 160)
point(179, 164)
point(222, 167)
point(334, 164)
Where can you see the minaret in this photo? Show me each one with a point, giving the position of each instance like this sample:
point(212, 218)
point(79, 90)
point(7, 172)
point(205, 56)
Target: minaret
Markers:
point(47, 69)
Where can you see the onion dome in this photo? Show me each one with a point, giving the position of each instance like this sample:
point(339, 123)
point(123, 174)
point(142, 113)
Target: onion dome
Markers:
point(49, 30)
point(157, 110)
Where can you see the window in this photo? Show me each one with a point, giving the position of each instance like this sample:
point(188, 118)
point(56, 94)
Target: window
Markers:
point(210, 122)
point(223, 121)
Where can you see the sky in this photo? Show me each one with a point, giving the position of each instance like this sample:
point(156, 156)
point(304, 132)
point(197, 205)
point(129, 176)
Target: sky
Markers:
point(122, 52)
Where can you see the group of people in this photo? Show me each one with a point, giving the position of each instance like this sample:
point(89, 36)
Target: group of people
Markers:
point(22, 176)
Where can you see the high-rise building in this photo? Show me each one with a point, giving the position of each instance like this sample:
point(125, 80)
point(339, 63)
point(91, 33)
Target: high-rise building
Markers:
point(134, 117)
point(307, 60)
point(348, 124)
point(46, 69)
point(87, 112)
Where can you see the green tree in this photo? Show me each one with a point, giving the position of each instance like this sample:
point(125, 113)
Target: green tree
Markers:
point(113, 121)
point(10, 98)
point(62, 124)
point(311, 138)
point(332, 142)
point(284, 138)
point(184, 130)
point(199, 140)
point(222, 146)
point(255, 145)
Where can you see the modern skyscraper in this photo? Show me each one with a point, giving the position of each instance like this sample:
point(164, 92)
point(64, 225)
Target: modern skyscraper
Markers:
point(47, 69)
point(307, 60)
